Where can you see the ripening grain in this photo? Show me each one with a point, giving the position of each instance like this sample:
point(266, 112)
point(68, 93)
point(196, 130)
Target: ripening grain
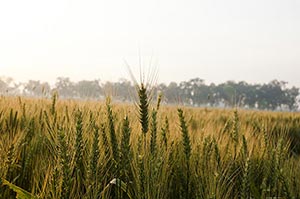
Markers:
point(86, 149)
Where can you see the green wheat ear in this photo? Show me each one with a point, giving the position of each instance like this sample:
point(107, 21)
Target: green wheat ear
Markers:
point(112, 133)
point(159, 98)
point(125, 152)
point(185, 135)
point(79, 168)
point(217, 153)
point(79, 144)
point(235, 132)
point(105, 143)
point(53, 104)
point(165, 131)
point(95, 154)
point(143, 108)
point(64, 160)
point(246, 181)
point(153, 131)
point(187, 150)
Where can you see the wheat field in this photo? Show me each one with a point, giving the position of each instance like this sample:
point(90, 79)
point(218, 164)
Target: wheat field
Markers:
point(53, 148)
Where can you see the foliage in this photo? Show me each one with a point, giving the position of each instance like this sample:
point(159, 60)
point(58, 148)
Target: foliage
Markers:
point(274, 95)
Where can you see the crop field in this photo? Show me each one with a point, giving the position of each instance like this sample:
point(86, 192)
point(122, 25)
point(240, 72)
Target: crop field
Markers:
point(55, 148)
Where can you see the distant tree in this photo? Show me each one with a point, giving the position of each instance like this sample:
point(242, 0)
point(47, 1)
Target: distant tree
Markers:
point(269, 96)
point(196, 88)
point(65, 87)
point(3, 86)
point(124, 90)
point(88, 89)
point(171, 93)
point(292, 98)
point(6, 86)
point(226, 93)
point(36, 88)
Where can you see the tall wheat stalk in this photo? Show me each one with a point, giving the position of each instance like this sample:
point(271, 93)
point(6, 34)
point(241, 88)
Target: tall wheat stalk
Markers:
point(187, 149)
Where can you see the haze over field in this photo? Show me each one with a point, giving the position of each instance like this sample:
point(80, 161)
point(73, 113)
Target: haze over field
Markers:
point(255, 41)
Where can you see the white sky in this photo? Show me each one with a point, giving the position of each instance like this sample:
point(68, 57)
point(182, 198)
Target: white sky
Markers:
point(216, 40)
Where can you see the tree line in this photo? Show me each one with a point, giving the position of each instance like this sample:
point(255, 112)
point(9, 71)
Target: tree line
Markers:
point(274, 95)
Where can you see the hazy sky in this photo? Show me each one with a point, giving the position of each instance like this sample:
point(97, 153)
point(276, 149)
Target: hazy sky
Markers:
point(216, 40)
